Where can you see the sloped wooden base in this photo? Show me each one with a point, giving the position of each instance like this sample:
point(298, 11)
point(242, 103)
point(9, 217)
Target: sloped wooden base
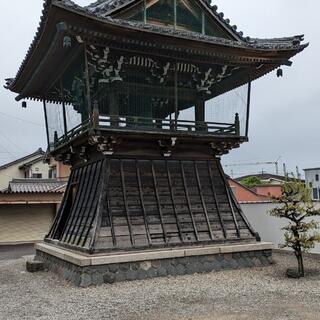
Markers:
point(128, 204)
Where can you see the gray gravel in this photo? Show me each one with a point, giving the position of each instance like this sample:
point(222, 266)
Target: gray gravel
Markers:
point(259, 293)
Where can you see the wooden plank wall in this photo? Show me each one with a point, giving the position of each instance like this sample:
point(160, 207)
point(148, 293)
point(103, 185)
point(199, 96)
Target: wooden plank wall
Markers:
point(149, 203)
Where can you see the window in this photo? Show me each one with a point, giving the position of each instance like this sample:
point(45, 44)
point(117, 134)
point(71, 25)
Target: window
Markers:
point(317, 177)
point(37, 175)
point(310, 185)
point(181, 14)
point(189, 16)
point(160, 12)
point(52, 173)
point(315, 194)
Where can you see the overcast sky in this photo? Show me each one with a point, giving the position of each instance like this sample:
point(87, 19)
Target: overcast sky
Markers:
point(285, 117)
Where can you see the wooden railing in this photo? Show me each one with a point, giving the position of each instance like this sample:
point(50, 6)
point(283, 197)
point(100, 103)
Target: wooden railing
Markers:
point(142, 124)
point(171, 125)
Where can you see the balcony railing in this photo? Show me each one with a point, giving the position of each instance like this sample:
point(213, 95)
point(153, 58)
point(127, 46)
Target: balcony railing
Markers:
point(166, 125)
point(149, 125)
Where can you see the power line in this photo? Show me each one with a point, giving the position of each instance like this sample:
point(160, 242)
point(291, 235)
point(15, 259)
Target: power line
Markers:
point(12, 142)
point(20, 119)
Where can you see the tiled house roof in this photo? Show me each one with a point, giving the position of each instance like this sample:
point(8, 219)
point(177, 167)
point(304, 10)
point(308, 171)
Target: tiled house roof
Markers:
point(35, 186)
point(39, 152)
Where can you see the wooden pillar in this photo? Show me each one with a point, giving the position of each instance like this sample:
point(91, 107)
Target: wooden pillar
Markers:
point(64, 109)
point(199, 115)
point(248, 108)
point(113, 101)
point(176, 98)
point(46, 122)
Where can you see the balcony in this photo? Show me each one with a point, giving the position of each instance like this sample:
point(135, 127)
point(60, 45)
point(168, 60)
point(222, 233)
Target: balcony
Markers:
point(151, 126)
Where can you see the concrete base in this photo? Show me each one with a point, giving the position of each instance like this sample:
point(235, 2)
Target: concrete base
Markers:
point(86, 270)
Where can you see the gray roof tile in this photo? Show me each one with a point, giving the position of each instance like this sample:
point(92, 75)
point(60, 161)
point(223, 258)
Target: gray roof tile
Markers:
point(35, 186)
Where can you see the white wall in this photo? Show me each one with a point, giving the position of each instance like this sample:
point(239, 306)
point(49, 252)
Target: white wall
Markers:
point(312, 182)
point(268, 227)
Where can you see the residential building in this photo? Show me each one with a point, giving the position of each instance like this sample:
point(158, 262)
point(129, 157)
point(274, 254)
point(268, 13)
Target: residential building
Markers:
point(30, 166)
point(271, 184)
point(243, 194)
point(266, 178)
point(27, 209)
point(313, 182)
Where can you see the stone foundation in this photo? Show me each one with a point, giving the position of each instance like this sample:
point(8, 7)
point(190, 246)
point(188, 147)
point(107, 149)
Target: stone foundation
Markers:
point(84, 270)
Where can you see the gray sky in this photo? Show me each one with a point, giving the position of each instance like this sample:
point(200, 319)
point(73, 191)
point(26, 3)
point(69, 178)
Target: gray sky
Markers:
point(285, 113)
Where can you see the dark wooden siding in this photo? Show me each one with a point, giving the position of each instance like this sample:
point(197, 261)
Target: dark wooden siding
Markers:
point(130, 203)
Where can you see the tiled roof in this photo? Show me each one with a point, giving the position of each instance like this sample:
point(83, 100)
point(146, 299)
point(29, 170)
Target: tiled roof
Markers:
point(30, 163)
point(102, 10)
point(35, 186)
point(38, 152)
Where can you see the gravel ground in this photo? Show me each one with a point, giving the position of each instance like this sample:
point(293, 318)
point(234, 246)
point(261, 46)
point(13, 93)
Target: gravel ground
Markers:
point(259, 293)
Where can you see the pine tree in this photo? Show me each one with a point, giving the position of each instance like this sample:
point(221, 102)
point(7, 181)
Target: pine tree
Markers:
point(301, 234)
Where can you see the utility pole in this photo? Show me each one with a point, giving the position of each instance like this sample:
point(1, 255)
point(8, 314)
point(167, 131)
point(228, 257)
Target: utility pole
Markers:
point(285, 170)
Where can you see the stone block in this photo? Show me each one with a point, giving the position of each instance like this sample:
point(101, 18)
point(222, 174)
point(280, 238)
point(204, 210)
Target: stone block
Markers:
point(142, 274)
point(257, 262)
point(264, 260)
point(123, 267)
point(217, 265)
point(115, 267)
point(156, 264)
point(152, 273)
point(233, 264)
point(85, 280)
point(109, 277)
point(162, 272)
point(97, 278)
point(131, 275)
point(208, 267)
point(181, 269)
point(35, 266)
point(120, 276)
point(171, 270)
point(145, 265)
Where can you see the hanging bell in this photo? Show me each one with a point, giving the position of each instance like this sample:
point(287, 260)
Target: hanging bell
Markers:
point(279, 73)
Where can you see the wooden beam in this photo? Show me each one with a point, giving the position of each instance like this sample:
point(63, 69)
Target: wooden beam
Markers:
point(248, 108)
point(202, 200)
point(110, 216)
point(92, 206)
point(188, 200)
point(216, 200)
point(142, 202)
point(124, 193)
point(46, 123)
point(227, 189)
point(173, 201)
point(158, 201)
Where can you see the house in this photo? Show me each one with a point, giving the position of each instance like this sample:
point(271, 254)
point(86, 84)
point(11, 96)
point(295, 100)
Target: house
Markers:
point(30, 166)
point(31, 190)
point(313, 182)
point(271, 184)
point(243, 194)
point(27, 209)
point(266, 178)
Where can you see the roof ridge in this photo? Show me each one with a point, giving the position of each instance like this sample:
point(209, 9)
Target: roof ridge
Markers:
point(6, 165)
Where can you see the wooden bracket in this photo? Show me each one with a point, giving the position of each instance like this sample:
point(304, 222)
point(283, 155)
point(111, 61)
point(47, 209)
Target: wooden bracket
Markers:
point(105, 145)
point(167, 145)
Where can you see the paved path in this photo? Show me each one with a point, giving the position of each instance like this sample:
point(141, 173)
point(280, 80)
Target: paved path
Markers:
point(16, 251)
